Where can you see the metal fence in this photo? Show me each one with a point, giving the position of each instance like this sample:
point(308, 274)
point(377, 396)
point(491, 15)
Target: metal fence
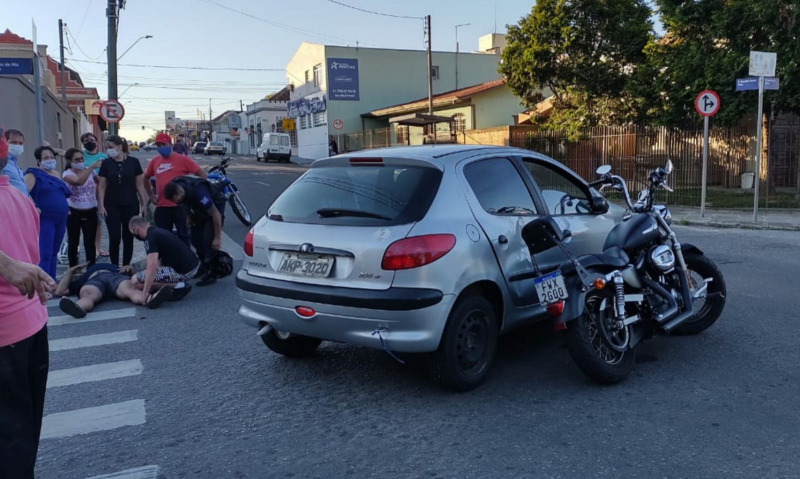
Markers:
point(634, 151)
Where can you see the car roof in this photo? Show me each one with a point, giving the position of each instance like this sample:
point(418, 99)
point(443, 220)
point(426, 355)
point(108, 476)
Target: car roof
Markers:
point(441, 155)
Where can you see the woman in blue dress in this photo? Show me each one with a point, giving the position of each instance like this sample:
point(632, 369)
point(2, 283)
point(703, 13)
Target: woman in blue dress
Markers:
point(49, 192)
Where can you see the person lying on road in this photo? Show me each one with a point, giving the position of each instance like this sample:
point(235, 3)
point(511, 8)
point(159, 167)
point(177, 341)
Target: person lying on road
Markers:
point(101, 282)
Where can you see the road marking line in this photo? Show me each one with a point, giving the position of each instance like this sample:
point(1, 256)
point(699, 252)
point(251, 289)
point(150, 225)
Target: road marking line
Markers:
point(93, 419)
point(98, 316)
point(146, 472)
point(53, 303)
point(93, 340)
point(95, 372)
point(264, 184)
point(232, 247)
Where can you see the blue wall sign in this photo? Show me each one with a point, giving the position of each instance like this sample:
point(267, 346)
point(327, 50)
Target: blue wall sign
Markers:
point(751, 83)
point(16, 66)
point(306, 106)
point(343, 79)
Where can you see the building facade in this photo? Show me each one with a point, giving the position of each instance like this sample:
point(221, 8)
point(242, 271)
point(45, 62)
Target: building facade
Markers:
point(332, 86)
point(261, 117)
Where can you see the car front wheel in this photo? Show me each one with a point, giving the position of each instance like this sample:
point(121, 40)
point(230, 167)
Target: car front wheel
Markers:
point(468, 345)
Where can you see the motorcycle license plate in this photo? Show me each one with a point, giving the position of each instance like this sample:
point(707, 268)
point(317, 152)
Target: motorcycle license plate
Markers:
point(550, 288)
point(313, 266)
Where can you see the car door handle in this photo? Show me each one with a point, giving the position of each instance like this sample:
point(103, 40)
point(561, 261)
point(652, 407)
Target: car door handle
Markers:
point(502, 239)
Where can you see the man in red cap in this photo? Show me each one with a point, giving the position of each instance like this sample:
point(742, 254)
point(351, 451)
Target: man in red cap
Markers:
point(164, 168)
point(24, 351)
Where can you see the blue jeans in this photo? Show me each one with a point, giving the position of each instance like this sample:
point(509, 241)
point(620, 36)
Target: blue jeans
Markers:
point(51, 234)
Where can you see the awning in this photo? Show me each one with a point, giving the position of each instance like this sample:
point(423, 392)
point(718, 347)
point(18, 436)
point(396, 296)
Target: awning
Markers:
point(421, 119)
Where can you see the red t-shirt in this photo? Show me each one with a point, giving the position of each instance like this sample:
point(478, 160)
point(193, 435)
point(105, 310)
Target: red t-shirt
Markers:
point(167, 169)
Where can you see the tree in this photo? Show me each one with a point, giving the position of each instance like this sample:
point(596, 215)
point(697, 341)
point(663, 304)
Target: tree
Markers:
point(585, 52)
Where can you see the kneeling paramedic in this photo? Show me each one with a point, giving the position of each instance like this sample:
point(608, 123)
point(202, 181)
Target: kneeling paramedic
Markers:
point(205, 208)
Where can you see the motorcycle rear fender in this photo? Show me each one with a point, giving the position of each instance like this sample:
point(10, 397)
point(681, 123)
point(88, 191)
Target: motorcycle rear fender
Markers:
point(576, 299)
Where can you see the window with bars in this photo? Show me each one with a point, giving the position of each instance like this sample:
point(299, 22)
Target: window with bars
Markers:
point(317, 75)
point(401, 134)
point(303, 122)
point(321, 118)
point(460, 122)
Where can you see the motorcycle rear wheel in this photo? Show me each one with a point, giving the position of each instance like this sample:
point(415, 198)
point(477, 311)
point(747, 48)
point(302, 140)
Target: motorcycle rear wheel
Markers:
point(591, 351)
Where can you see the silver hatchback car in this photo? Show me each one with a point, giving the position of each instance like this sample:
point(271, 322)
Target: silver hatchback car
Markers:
point(412, 250)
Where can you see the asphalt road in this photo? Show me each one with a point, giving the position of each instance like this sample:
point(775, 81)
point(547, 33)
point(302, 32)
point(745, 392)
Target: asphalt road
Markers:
point(210, 400)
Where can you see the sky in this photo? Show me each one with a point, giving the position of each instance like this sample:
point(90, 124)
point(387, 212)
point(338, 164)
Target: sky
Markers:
point(260, 35)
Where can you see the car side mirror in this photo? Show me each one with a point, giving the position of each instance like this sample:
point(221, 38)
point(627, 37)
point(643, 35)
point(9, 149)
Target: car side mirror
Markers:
point(599, 205)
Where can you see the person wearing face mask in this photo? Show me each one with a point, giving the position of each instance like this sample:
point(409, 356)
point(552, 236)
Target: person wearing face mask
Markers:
point(82, 206)
point(121, 196)
point(91, 155)
point(16, 145)
point(165, 167)
point(49, 193)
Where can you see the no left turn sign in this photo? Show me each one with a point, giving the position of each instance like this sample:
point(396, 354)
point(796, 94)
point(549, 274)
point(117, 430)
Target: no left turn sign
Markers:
point(112, 111)
point(707, 103)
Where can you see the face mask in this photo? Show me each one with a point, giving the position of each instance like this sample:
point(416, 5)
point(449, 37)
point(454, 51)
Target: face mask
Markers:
point(16, 150)
point(90, 146)
point(78, 166)
point(112, 153)
point(165, 151)
point(49, 165)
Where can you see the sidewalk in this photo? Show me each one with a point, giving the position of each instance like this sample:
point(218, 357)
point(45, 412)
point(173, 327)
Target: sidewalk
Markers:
point(786, 220)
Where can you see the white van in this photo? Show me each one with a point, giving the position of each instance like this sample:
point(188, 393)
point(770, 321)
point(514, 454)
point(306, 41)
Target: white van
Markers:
point(275, 146)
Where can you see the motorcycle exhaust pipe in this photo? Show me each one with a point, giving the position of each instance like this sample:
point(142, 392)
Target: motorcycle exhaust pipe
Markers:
point(672, 309)
point(688, 313)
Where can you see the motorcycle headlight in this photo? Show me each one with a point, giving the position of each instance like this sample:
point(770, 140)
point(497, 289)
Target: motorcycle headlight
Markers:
point(662, 258)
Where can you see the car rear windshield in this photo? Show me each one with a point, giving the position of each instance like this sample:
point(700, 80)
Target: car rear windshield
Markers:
point(216, 143)
point(359, 196)
point(201, 144)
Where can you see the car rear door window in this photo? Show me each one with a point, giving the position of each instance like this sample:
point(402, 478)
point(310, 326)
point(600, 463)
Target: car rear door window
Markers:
point(562, 194)
point(284, 141)
point(499, 187)
point(359, 196)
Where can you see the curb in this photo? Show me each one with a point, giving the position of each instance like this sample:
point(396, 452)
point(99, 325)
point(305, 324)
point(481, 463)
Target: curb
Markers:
point(741, 226)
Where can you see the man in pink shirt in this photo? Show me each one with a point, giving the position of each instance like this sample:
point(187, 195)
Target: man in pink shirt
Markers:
point(165, 167)
point(24, 352)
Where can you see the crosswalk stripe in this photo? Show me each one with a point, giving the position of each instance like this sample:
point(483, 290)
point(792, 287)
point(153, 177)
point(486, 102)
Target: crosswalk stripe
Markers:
point(53, 303)
point(93, 340)
point(146, 472)
point(98, 316)
point(95, 372)
point(93, 419)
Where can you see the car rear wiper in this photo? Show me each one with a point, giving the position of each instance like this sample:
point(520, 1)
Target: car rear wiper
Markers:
point(338, 212)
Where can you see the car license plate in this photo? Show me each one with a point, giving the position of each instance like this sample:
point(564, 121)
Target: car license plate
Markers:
point(313, 266)
point(550, 288)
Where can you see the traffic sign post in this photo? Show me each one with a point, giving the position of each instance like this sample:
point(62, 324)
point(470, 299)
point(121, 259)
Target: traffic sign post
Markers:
point(112, 111)
point(762, 64)
point(707, 104)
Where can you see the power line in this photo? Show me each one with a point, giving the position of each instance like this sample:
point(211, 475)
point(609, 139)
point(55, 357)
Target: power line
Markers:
point(281, 25)
point(375, 13)
point(86, 12)
point(185, 68)
point(69, 33)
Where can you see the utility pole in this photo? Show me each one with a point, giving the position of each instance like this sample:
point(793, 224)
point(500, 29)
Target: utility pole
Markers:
point(430, 69)
point(111, 13)
point(241, 105)
point(210, 122)
point(63, 69)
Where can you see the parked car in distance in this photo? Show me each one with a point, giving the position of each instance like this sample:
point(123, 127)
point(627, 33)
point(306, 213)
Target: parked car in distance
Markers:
point(414, 250)
point(275, 146)
point(199, 147)
point(214, 148)
point(133, 147)
point(150, 147)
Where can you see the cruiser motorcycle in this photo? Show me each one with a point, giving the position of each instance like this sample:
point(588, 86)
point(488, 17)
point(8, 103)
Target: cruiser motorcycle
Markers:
point(645, 283)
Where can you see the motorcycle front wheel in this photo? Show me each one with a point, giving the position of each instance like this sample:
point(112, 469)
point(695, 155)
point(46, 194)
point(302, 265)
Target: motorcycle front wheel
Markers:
point(239, 209)
point(589, 348)
point(706, 310)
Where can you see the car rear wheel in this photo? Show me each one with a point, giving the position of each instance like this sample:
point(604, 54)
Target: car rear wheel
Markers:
point(290, 345)
point(468, 345)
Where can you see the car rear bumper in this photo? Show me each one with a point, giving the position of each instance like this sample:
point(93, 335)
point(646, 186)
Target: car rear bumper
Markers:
point(410, 320)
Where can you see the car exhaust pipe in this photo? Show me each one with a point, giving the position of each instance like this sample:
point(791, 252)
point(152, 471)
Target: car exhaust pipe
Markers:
point(265, 330)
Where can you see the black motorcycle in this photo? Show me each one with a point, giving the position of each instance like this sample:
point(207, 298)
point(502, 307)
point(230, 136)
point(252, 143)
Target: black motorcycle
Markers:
point(645, 283)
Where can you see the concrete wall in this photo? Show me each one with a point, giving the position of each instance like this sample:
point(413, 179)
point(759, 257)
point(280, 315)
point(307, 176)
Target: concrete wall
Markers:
point(18, 111)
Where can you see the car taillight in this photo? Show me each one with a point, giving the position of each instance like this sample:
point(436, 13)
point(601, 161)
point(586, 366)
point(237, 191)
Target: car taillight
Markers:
point(248, 244)
point(417, 251)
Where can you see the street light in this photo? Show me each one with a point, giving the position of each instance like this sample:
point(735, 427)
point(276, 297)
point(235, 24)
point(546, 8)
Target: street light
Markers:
point(131, 86)
point(461, 25)
point(146, 37)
